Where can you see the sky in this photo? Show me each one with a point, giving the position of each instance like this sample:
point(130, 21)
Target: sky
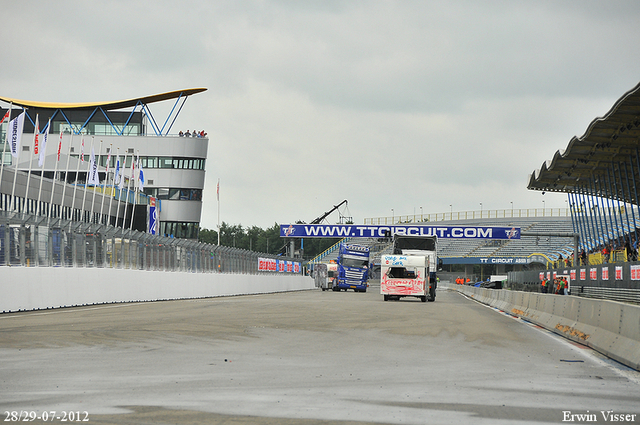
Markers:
point(399, 107)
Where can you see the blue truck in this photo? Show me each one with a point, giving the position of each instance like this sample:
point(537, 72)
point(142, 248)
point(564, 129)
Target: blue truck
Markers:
point(353, 268)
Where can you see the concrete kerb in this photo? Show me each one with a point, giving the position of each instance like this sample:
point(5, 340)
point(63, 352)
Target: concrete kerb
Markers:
point(610, 327)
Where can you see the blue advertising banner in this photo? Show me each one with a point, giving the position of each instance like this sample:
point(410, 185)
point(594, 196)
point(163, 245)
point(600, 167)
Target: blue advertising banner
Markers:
point(486, 260)
point(365, 231)
point(153, 216)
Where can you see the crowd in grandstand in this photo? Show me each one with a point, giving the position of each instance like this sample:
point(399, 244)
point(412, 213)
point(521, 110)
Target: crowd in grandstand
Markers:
point(621, 249)
point(194, 134)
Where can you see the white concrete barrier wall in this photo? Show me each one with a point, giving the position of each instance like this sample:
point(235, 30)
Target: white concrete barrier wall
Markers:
point(34, 288)
point(610, 327)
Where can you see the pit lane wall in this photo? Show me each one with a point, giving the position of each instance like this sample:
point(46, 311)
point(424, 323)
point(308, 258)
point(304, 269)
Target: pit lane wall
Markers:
point(36, 288)
point(610, 327)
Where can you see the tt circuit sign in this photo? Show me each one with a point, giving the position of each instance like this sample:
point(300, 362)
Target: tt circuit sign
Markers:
point(364, 231)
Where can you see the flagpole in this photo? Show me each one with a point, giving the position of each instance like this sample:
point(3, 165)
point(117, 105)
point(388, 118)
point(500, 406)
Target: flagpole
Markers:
point(4, 147)
point(34, 151)
point(75, 184)
point(135, 192)
point(55, 170)
point(218, 197)
point(66, 174)
point(16, 156)
point(106, 181)
point(126, 204)
point(84, 196)
point(120, 186)
point(93, 199)
point(115, 176)
point(41, 160)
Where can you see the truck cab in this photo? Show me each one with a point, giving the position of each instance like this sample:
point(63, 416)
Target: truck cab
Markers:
point(411, 270)
point(353, 268)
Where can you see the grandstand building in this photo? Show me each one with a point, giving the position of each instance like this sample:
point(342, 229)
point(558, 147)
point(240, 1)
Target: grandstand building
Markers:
point(600, 173)
point(173, 165)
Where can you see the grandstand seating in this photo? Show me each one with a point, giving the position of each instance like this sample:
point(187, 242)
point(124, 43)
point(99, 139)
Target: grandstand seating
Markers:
point(550, 246)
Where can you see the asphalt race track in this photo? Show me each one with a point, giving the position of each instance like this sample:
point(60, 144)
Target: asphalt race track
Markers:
point(308, 357)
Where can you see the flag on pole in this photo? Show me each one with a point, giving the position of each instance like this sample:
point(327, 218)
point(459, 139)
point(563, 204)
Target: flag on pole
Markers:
point(93, 178)
point(108, 161)
point(133, 170)
point(45, 139)
point(60, 143)
point(121, 182)
point(36, 137)
point(6, 115)
point(82, 150)
point(141, 177)
point(14, 134)
point(116, 177)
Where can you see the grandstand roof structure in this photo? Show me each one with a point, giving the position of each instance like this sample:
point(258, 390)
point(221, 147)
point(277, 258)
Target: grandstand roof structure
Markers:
point(604, 162)
point(107, 106)
point(94, 111)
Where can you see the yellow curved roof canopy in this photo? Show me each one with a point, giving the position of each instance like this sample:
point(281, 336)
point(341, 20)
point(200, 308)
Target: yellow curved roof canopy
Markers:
point(118, 104)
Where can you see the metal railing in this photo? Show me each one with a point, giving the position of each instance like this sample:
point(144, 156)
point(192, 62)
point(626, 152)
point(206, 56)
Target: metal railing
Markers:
point(471, 215)
point(34, 241)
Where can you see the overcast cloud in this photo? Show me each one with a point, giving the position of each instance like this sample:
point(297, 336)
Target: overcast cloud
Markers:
point(388, 104)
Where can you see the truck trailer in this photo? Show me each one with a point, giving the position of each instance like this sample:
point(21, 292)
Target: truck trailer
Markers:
point(325, 275)
point(411, 270)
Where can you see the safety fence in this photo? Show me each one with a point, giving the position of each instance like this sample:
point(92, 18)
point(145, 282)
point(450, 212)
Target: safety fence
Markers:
point(616, 282)
point(35, 241)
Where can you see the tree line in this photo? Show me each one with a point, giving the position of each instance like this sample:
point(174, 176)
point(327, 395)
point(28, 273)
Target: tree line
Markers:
point(263, 240)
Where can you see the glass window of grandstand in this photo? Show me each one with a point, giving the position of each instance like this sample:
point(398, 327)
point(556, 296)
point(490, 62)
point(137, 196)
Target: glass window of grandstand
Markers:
point(151, 191)
point(179, 229)
point(77, 128)
point(163, 193)
point(175, 194)
point(166, 162)
point(171, 162)
point(114, 130)
point(149, 161)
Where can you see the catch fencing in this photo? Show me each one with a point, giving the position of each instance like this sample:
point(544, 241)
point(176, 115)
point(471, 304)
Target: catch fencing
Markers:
point(35, 241)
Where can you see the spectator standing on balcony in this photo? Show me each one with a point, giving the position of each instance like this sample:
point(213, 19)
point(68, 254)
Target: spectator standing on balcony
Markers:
point(606, 251)
point(583, 257)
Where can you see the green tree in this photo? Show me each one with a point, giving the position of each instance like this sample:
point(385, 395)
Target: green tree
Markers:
point(208, 236)
point(263, 240)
